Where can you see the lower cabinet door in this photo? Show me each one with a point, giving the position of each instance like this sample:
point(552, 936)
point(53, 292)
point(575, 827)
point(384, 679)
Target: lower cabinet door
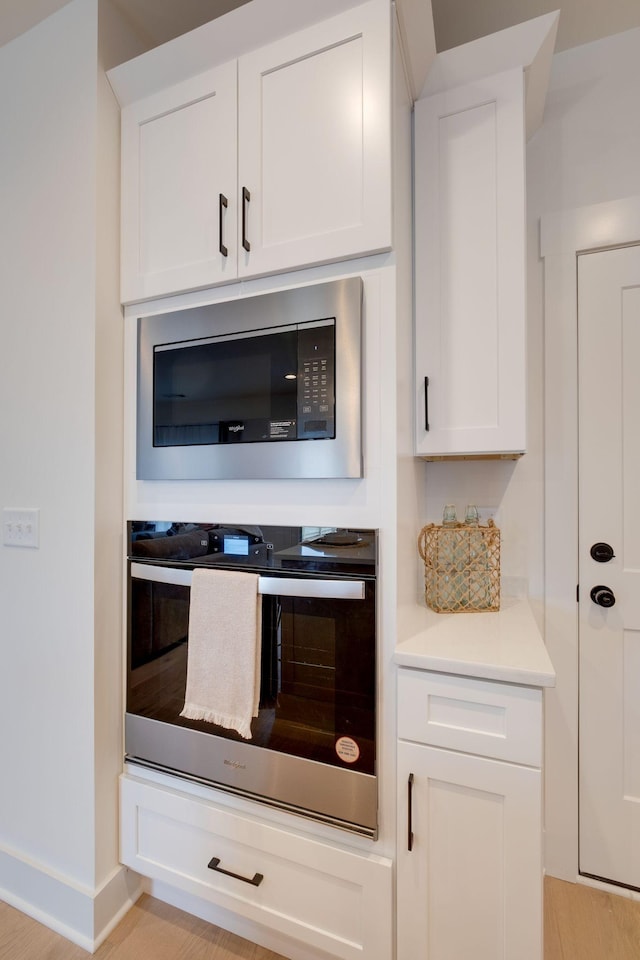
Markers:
point(469, 880)
point(329, 896)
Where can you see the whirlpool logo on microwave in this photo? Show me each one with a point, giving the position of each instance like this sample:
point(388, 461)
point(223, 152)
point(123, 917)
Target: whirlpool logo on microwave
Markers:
point(232, 431)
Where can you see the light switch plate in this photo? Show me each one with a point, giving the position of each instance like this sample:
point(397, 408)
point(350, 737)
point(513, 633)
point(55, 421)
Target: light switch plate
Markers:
point(21, 527)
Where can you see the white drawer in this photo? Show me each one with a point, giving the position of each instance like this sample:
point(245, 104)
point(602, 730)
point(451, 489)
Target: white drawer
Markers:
point(482, 717)
point(330, 897)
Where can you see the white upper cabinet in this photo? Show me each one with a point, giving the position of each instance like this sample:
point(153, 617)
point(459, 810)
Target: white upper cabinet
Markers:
point(314, 134)
point(179, 198)
point(470, 269)
point(480, 102)
point(277, 160)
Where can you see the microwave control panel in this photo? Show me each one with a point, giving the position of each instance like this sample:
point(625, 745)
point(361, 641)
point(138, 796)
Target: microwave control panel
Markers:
point(316, 382)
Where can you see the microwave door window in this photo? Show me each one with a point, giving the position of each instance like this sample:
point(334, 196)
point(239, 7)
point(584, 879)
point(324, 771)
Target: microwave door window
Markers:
point(227, 391)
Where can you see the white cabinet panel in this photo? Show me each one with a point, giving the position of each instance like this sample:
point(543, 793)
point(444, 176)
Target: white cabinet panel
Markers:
point(471, 886)
point(470, 269)
point(473, 716)
point(179, 156)
point(314, 129)
point(328, 896)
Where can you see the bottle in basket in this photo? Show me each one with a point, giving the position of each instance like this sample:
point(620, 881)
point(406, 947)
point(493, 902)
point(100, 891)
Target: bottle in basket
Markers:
point(447, 554)
point(478, 581)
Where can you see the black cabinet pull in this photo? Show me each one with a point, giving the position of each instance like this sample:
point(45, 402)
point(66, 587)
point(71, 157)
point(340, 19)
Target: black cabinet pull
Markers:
point(222, 205)
point(246, 197)
point(255, 880)
point(426, 403)
point(410, 812)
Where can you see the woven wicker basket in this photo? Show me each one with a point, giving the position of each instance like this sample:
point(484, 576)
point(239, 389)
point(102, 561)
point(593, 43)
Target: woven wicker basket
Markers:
point(461, 567)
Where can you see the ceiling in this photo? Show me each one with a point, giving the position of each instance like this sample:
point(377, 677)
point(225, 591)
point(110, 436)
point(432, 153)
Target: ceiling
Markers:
point(455, 21)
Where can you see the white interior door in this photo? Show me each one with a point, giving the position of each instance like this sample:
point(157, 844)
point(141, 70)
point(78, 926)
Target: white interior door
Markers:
point(609, 508)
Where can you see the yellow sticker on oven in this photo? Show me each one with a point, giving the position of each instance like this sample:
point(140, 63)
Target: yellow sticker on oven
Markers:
point(347, 749)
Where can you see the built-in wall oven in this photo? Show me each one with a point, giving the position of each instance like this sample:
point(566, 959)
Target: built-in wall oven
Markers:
point(312, 748)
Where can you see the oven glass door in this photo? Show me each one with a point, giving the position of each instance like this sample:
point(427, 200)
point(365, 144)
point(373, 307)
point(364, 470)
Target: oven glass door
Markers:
point(317, 674)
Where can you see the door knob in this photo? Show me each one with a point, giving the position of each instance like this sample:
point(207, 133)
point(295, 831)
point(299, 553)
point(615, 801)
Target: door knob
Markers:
point(602, 552)
point(603, 596)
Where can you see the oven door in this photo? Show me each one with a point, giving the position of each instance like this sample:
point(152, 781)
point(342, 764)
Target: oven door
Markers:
point(313, 741)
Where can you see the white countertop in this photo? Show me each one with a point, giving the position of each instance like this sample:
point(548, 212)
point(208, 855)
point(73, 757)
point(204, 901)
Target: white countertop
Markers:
point(505, 645)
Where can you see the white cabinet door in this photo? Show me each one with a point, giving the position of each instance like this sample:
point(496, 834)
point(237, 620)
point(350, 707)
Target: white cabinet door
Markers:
point(470, 269)
point(314, 142)
point(471, 886)
point(178, 171)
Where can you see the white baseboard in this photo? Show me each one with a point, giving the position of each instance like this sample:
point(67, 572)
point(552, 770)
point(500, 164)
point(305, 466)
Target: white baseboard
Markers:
point(75, 911)
point(113, 900)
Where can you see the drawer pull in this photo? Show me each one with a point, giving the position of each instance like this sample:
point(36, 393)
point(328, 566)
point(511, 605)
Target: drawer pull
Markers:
point(410, 813)
point(255, 880)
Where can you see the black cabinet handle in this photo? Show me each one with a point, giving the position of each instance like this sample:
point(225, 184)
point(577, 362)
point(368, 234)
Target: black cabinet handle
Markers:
point(410, 812)
point(426, 403)
point(255, 880)
point(222, 206)
point(246, 197)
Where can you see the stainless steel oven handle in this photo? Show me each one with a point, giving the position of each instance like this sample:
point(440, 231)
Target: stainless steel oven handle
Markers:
point(331, 589)
point(273, 586)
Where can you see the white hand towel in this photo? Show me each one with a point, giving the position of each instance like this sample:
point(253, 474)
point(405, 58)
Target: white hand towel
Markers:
point(223, 662)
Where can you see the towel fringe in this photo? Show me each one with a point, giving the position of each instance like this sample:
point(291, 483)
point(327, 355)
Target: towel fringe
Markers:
point(192, 711)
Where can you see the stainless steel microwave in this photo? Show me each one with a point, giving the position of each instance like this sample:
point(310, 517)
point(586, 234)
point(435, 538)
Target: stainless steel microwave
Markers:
point(260, 387)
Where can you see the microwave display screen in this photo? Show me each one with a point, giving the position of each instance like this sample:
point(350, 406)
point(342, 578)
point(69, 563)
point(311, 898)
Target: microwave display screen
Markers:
point(270, 385)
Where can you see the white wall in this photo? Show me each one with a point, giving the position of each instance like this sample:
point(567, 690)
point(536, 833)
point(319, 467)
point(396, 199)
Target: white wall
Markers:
point(585, 153)
point(47, 277)
point(61, 333)
point(588, 147)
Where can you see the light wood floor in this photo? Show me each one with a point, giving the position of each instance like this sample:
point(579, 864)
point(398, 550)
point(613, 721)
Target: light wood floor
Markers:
point(152, 930)
point(580, 924)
